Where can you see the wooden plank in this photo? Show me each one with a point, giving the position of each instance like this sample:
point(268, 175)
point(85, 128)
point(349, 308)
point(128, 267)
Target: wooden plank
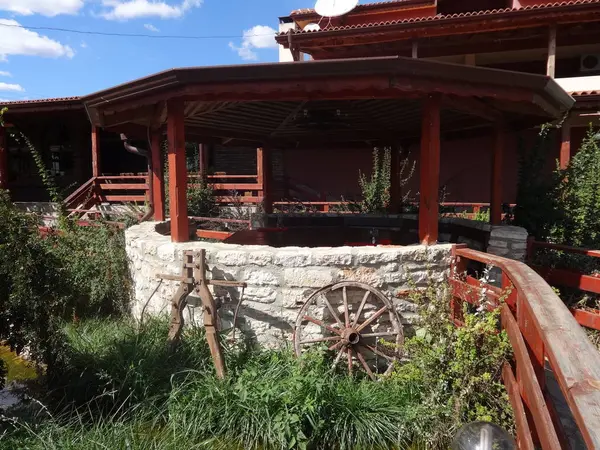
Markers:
point(235, 186)
point(528, 384)
point(566, 248)
point(524, 441)
point(177, 171)
point(3, 159)
point(211, 234)
point(472, 293)
point(551, 65)
point(225, 176)
point(588, 319)
point(158, 181)
point(497, 186)
point(430, 171)
point(122, 177)
point(96, 165)
point(125, 198)
point(241, 199)
point(124, 187)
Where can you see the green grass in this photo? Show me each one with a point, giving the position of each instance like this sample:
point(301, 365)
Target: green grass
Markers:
point(120, 388)
point(18, 368)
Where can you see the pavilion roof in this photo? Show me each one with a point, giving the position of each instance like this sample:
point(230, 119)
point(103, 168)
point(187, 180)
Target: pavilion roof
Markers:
point(360, 99)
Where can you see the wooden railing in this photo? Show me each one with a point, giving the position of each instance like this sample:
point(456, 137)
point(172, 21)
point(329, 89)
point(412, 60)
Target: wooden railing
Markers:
point(543, 333)
point(232, 189)
point(125, 188)
point(559, 277)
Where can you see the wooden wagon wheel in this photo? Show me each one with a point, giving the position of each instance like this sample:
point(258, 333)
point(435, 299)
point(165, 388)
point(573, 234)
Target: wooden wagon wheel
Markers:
point(357, 322)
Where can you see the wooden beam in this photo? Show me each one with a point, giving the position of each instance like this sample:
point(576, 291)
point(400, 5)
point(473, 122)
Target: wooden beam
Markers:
point(263, 169)
point(565, 145)
point(158, 180)
point(3, 159)
point(177, 171)
point(430, 171)
point(470, 59)
point(96, 172)
point(415, 49)
point(551, 66)
point(496, 178)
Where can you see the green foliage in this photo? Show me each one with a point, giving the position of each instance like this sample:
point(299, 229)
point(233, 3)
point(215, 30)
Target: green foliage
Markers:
point(73, 272)
point(3, 374)
point(536, 207)
point(376, 190)
point(578, 197)
point(456, 370)
point(201, 200)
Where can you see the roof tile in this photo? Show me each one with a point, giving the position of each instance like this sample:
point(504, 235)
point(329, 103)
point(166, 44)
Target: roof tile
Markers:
point(41, 100)
point(441, 17)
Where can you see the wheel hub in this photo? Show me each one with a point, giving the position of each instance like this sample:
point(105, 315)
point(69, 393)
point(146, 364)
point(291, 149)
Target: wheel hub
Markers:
point(351, 336)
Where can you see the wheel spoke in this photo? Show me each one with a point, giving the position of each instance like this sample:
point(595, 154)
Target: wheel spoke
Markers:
point(336, 346)
point(331, 310)
point(325, 339)
point(377, 352)
point(380, 334)
point(350, 360)
point(361, 358)
point(323, 325)
point(338, 357)
point(372, 319)
point(360, 309)
point(346, 312)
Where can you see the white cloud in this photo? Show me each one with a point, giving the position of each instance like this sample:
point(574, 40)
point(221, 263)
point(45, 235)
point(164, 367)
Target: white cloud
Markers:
point(257, 37)
point(134, 9)
point(11, 87)
point(4, 73)
point(43, 7)
point(150, 27)
point(20, 41)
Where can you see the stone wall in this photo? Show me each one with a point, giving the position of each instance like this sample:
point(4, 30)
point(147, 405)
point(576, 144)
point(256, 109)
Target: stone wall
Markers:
point(508, 241)
point(279, 279)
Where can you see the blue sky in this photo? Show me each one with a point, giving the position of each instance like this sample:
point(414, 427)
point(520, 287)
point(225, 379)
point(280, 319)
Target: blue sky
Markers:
point(43, 63)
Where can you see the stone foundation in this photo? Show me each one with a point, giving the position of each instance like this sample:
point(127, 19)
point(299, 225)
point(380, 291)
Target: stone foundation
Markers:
point(279, 279)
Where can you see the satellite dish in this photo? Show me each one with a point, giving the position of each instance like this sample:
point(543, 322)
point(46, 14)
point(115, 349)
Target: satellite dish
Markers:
point(335, 8)
point(312, 27)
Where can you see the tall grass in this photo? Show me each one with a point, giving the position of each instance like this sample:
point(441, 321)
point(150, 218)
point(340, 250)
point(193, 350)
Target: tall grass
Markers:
point(120, 388)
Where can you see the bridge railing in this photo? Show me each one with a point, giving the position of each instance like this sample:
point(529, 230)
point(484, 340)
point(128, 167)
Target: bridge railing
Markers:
point(544, 335)
point(561, 277)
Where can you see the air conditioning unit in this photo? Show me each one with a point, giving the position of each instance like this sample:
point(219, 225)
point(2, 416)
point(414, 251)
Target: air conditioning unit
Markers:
point(589, 63)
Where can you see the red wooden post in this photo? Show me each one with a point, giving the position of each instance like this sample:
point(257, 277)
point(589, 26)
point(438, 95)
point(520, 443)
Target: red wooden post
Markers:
point(565, 145)
point(96, 172)
point(158, 182)
point(430, 171)
point(496, 182)
point(3, 160)
point(263, 170)
point(177, 171)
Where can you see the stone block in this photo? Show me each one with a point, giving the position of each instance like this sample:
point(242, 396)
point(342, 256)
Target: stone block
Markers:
point(376, 255)
point(518, 245)
point(367, 275)
point(342, 257)
point(260, 258)
point(498, 244)
point(298, 258)
point(294, 298)
point(260, 277)
point(232, 258)
point(260, 294)
point(509, 232)
point(309, 277)
point(166, 252)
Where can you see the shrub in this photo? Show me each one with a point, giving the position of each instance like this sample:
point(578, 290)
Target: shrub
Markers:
point(201, 200)
point(376, 190)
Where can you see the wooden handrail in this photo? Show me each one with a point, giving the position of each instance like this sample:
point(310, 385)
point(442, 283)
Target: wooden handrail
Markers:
point(533, 244)
point(550, 332)
point(79, 191)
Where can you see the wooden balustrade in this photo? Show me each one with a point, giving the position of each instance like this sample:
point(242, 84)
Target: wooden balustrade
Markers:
point(543, 333)
point(559, 277)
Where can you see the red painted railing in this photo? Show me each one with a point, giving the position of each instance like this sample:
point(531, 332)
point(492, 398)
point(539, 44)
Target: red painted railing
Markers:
point(589, 318)
point(228, 189)
point(542, 332)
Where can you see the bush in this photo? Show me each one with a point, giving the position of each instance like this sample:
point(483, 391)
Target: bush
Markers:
point(74, 272)
point(376, 191)
point(201, 200)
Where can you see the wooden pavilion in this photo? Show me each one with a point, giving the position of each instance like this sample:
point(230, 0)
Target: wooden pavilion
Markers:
point(376, 100)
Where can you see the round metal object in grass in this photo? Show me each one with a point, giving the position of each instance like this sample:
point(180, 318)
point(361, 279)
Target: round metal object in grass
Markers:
point(356, 323)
